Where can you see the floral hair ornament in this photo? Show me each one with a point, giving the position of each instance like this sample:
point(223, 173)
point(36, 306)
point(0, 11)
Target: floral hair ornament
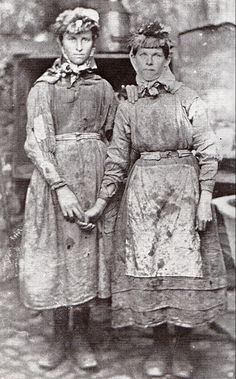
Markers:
point(151, 35)
point(77, 20)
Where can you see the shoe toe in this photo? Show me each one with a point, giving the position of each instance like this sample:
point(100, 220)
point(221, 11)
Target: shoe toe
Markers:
point(184, 372)
point(86, 360)
point(153, 368)
point(52, 359)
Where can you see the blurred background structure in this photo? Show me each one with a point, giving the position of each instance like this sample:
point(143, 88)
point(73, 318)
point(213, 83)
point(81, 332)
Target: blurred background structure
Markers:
point(204, 34)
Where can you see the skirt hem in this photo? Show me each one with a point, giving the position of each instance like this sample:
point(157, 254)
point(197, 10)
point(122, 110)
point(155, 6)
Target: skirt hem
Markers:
point(55, 306)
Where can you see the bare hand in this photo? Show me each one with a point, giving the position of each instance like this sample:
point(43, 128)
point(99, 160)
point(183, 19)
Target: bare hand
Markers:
point(86, 226)
point(204, 212)
point(70, 206)
point(94, 213)
point(132, 93)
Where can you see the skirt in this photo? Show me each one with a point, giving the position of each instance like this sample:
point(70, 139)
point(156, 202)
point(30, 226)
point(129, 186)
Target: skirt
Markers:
point(60, 264)
point(164, 270)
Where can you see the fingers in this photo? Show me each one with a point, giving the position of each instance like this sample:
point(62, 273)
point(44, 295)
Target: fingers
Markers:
point(135, 93)
point(68, 216)
point(78, 213)
point(201, 225)
point(89, 227)
point(71, 213)
point(86, 218)
point(84, 226)
point(132, 93)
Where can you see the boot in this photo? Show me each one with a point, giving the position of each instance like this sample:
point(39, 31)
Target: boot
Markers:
point(81, 348)
point(56, 352)
point(181, 366)
point(158, 363)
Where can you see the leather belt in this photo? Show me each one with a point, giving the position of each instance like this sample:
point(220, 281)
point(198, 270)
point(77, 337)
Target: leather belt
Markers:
point(157, 155)
point(77, 136)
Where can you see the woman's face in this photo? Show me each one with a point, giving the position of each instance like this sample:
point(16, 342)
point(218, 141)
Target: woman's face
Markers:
point(150, 62)
point(78, 46)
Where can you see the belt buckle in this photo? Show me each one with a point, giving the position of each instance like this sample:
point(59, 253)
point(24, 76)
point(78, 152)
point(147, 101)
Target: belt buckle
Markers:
point(77, 136)
point(183, 153)
point(156, 156)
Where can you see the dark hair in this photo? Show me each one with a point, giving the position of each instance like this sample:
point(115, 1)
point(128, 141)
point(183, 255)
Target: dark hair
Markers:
point(165, 49)
point(151, 35)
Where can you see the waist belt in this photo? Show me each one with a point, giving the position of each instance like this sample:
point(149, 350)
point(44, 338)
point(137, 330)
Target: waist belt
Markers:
point(77, 136)
point(157, 155)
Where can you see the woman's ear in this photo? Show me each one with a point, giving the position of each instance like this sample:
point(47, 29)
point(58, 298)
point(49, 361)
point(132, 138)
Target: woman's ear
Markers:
point(59, 40)
point(132, 58)
point(92, 51)
point(91, 61)
point(167, 62)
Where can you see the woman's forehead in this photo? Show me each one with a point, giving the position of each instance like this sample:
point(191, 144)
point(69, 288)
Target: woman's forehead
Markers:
point(88, 33)
point(150, 50)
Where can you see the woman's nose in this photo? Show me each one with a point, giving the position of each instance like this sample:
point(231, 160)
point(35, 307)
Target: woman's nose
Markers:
point(149, 60)
point(79, 45)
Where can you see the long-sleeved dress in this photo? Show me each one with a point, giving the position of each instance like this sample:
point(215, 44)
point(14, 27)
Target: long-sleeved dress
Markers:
point(164, 270)
point(60, 264)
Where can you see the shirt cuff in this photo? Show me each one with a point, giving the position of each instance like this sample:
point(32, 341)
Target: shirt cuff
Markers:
point(107, 191)
point(207, 185)
point(58, 184)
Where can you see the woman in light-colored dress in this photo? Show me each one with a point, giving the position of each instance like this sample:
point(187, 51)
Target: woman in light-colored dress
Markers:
point(168, 265)
point(70, 111)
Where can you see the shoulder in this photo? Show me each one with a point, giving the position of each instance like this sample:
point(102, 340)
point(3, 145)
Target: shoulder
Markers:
point(39, 92)
point(38, 87)
point(107, 86)
point(187, 94)
point(99, 82)
point(124, 109)
point(190, 98)
point(125, 106)
point(192, 102)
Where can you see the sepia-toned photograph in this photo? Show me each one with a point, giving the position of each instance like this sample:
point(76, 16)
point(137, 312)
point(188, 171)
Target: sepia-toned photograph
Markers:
point(117, 189)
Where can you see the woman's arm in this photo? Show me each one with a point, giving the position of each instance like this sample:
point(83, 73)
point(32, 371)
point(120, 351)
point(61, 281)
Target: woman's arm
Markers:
point(116, 164)
point(205, 144)
point(207, 153)
point(40, 147)
point(40, 141)
point(108, 109)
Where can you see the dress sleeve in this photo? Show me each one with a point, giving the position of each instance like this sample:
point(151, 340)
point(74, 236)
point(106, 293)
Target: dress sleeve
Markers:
point(40, 141)
point(204, 142)
point(110, 104)
point(118, 155)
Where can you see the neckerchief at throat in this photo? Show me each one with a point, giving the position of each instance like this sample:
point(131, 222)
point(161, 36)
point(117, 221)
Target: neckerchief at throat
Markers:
point(63, 67)
point(152, 88)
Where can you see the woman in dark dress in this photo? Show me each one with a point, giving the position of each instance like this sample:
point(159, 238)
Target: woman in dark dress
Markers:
point(168, 267)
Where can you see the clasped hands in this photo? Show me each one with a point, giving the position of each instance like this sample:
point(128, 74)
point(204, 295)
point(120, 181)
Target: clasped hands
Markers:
point(73, 212)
